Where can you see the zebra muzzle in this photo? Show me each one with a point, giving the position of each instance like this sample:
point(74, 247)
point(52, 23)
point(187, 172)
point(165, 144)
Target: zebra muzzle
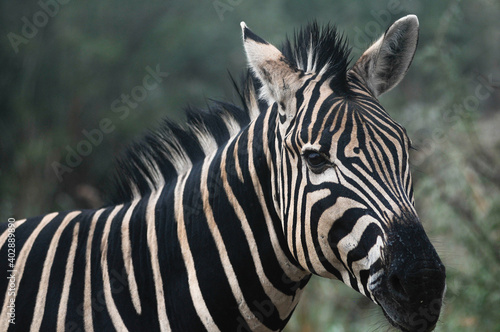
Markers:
point(413, 284)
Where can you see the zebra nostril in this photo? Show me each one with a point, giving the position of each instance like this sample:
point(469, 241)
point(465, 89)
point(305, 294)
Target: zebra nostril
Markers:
point(396, 286)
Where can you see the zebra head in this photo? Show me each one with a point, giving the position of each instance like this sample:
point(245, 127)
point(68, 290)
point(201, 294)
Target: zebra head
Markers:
point(343, 187)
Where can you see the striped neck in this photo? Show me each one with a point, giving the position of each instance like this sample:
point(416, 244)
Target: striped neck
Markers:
point(225, 216)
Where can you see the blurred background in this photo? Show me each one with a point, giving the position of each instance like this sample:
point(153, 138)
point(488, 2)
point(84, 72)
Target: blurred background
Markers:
point(74, 93)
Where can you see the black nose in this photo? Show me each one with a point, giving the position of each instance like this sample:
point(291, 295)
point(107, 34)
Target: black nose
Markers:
point(413, 286)
point(420, 282)
point(416, 290)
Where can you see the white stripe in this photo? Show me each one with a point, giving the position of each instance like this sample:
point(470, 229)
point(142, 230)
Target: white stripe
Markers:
point(6, 233)
point(87, 287)
point(68, 274)
point(350, 241)
point(194, 287)
point(155, 264)
point(114, 314)
point(127, 258)
point(372, 256)
point(237, 165)
point(41, 296)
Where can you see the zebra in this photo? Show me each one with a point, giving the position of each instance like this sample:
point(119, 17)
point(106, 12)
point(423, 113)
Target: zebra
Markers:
point(219, 224)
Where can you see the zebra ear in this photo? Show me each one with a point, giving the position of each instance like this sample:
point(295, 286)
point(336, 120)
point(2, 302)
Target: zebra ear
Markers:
point(280, 80)
point(385, 63)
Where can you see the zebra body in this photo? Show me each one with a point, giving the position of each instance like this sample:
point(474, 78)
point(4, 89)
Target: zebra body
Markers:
point(220, 226)
point(120, 252)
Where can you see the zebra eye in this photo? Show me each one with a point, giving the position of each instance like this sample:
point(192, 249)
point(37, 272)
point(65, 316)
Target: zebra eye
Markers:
point(316, 161)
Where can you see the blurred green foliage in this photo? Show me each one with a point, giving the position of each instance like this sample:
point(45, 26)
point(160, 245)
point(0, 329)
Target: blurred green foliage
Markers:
point(64, 79)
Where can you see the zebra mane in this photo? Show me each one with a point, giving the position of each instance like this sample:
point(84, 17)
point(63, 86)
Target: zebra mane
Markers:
point(320, 50)
point(164, 154)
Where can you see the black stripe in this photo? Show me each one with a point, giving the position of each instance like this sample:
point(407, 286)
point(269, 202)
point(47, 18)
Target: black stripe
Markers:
point(247, 33)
